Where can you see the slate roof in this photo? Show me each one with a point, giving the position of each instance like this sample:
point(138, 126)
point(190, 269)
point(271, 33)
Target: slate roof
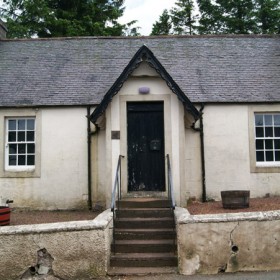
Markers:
point(79, 71)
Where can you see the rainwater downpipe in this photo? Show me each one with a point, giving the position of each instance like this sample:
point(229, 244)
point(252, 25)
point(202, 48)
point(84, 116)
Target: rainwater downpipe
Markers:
point(89, 134)
point(202, 151)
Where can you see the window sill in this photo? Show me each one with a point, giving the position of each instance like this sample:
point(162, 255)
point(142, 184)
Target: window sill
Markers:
point(266, 168)
point(20, 169)
point(23, 173)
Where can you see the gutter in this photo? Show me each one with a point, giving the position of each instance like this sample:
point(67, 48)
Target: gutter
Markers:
point(202, 151)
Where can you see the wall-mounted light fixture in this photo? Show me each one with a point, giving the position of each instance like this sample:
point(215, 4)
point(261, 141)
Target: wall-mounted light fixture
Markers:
point(144, 90)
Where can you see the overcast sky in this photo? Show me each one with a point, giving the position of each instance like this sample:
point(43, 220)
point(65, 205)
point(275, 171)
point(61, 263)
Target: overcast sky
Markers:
point(146, 12)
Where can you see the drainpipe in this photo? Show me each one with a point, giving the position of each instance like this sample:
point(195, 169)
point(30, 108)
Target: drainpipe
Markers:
point(89, 134)
point(89, 158)
point(202, 152)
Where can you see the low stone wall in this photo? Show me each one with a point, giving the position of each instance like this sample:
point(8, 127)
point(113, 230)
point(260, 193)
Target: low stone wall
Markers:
point(80, 250)
point(209, 244)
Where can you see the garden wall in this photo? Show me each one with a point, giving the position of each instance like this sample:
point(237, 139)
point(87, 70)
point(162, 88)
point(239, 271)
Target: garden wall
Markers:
point(80, 250)
point(209, 244)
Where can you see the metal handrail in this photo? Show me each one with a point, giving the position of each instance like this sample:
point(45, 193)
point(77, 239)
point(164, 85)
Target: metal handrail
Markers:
point(170, 184)
point(116, 189)
point(117, 185)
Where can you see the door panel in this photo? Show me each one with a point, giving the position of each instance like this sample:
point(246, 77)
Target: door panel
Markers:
point(145, 136)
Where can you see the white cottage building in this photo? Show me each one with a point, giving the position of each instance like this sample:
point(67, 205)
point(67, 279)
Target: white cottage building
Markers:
point(70, 107)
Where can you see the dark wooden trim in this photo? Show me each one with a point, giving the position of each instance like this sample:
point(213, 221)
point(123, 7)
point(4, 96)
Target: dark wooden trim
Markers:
point(143, 54)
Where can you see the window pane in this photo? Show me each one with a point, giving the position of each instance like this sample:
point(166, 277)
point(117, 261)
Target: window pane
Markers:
point(259, 132)
point(277, 144)
point(30, 124)
point(268, 132)
point(12, 160)
point(30, 160)
point(277, 156)
point(259, 144)
point(12, 149)
point(12, 137)
point(21, 136)
point(268, 120)
point(30, 136)
point(21, 124)
point(21, 148)
point(259, 120)
point(269, 144)
point(12, 125)
point(277, 131)
point(30, 148)
point(269, 156)
point(277, 120)
point(260, 156)
point(21, 160)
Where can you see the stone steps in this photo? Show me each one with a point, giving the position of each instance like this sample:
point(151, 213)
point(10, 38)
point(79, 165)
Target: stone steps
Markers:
point(144, 238)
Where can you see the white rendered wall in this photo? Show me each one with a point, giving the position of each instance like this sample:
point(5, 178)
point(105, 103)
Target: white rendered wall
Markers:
point(62, 182)
point(227, 152)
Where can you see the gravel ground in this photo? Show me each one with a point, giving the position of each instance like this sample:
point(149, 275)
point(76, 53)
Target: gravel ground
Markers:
point(255, 205)
point(20, 217)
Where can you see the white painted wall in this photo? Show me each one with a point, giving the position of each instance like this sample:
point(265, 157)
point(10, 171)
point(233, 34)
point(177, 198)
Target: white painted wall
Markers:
point(227, 152)
point(63, 178)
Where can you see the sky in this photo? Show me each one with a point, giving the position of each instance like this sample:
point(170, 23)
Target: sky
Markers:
point(146, 12)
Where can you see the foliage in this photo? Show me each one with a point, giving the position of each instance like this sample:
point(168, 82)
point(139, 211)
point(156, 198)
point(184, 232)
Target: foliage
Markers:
point(182, 16)
point(163, 25)
point(60, 18)
point(179, 20)
point(221, 17)
point(239, 16)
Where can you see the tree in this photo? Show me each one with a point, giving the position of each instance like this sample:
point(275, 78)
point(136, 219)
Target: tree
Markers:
point(268, 16)
point(60, 18)
point(163, 26)
point(210, 19)
point(221, 17)
point(180, 20)
point(182, 16)
point(239, 16)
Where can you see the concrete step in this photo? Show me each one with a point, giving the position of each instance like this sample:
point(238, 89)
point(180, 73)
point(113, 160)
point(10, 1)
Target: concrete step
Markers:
point(145, 234)
point(141, 271)
point(147, 223)
point(144, 246)
point(144, 213)
point(143, 203)
point(143, 260)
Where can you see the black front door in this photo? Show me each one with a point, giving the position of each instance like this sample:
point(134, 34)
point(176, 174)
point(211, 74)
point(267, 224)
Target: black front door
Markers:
point(145, 137)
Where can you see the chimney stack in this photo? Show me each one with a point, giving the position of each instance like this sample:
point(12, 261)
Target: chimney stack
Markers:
point(3, 30)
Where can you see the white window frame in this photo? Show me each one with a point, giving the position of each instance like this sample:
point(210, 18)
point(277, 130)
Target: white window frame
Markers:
point(263, 138)
point(21, 113)
point(260, 167)
point(18, 167)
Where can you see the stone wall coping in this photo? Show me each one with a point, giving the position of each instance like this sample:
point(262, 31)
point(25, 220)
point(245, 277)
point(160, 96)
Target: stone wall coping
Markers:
point(183, 216)
point(99, 223)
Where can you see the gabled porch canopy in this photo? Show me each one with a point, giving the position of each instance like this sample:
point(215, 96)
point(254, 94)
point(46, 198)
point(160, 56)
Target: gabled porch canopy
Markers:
point(143, 54)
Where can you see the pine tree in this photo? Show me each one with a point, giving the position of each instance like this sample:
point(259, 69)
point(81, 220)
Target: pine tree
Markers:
point(267, 14)
point(163, 26)
point(60, 18)
point(239, 16)
point(183, 20)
